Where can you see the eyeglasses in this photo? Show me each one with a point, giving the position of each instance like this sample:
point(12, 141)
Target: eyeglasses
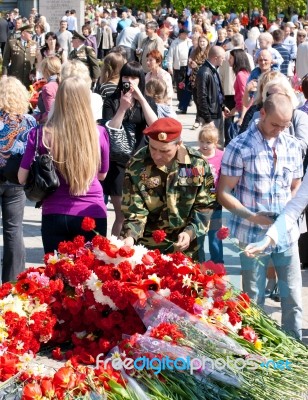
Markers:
point(301, 35)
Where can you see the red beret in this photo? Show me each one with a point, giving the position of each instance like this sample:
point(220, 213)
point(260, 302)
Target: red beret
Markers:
point(164, 130)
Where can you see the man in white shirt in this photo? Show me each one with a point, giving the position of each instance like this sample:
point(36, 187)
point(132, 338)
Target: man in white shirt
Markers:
point(96, 22)
point(177, 61)
point(113, 22)
point(67, 14)
point(65, 37)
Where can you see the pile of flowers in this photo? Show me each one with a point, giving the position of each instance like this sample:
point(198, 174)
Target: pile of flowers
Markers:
point(93, 294)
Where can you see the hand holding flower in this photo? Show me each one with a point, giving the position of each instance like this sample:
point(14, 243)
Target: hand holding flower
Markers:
point(256, 248)
point(183, 242)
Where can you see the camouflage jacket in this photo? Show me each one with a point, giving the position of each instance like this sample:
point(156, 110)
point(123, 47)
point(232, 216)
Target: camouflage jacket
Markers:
point(175, 200)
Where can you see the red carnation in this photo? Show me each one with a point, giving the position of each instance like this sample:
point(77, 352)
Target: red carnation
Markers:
point(57, 354)
point(234, 318)
point(223, 233)
point(88, 224)
point(126, 251)
point(159, 235)
point(248, 334)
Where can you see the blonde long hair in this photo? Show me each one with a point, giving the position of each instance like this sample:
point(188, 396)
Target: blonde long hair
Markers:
point(72, 135)
point(14, 97)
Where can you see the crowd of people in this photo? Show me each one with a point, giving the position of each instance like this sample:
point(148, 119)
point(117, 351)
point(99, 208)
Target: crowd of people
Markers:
point(105, 114)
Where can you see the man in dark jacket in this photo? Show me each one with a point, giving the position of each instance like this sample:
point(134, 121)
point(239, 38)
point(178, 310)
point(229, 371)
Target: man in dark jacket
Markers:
point(210, 97)
point(85, 54)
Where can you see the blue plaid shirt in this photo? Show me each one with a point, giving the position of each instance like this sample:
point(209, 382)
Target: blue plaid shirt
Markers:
point(262, 186)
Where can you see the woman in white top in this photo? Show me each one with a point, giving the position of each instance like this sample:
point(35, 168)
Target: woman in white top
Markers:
point(251, 43)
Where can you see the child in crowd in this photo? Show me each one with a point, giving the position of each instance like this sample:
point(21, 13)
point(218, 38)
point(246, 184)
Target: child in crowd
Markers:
point(208, 140)
point(157, 89)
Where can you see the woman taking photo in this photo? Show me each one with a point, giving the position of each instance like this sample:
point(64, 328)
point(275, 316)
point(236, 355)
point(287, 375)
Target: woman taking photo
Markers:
point(15, 125)
point(154, 61)
point(129, 112)
point(80, 151)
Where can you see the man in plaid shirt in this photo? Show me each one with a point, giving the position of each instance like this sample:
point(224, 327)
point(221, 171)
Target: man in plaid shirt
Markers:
point(261, 170)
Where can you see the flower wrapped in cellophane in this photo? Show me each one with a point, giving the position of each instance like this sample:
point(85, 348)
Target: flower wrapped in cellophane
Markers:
point(84, 297)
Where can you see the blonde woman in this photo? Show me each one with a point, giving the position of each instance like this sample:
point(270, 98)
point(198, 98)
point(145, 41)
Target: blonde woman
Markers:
point(79, 69)
point(51, 68)
point(15, 125)
point(80, 151)
point(157, 90)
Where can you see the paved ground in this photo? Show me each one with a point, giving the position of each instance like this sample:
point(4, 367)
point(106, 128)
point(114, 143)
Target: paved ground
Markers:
point(34, 244)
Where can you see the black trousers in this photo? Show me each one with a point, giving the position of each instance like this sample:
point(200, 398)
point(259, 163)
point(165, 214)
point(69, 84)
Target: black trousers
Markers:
point(179, 76)
point(59, 227)
point(230, 103)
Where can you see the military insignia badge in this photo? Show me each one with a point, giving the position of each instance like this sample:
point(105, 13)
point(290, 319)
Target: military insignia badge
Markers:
point(162, 136)
point(153, 182)
point(144, 176)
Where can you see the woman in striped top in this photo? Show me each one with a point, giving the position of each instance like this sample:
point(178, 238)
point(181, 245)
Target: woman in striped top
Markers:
point(112, 65)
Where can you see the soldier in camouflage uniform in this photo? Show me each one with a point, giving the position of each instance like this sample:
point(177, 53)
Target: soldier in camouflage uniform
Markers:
point(86, 54)
point(19, 56)
point(168, 186)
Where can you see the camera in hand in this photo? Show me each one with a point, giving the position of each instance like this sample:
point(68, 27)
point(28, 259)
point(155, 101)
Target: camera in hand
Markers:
point(126, 87)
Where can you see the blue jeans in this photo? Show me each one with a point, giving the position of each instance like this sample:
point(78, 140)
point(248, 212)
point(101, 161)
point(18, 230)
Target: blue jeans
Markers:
point(287, 266)
point(59, 227)
point(13, 202)
point(215, 244)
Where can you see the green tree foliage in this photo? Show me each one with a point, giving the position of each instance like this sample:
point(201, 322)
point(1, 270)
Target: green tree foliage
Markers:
point(271, 7)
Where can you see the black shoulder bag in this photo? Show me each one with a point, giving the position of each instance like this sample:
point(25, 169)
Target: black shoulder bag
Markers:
point(43, 179)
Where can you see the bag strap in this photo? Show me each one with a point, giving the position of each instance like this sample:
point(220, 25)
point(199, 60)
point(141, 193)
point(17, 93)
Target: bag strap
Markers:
point(39, 129)
point(37, 141)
